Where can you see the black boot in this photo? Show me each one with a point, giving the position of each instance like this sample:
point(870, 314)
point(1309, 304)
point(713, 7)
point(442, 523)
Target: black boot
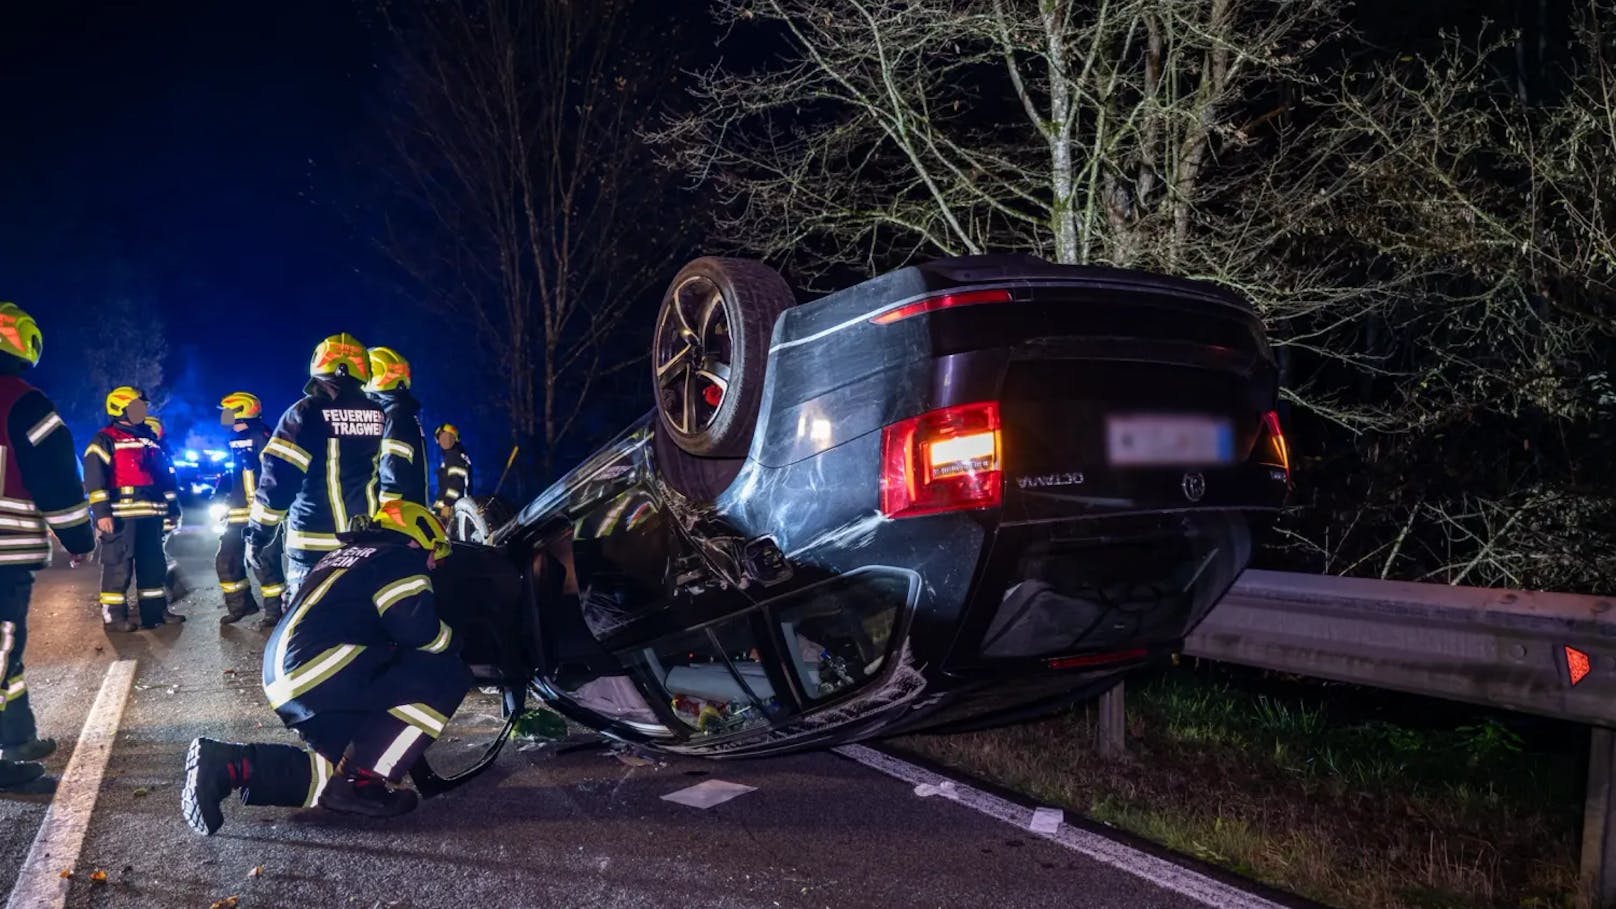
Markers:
point(238, 611)
point(31, 750)
point(117, 625)
point(213, 770)
point(272, 617)
point(355, 790)
point(169, 617)
point(19, 774)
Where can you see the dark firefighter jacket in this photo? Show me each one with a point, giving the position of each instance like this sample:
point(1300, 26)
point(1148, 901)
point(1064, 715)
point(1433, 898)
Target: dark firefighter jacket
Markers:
point(454, 476)
point(39, 483)
point(246, 451)
point(126, 474)
point(404, 465)
point(319, 467)
point(359, 604)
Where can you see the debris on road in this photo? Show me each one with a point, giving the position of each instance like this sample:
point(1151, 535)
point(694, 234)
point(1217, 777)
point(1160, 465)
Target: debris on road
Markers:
point(1046, 820)
point(538, 724)
point(229, 902)
point(944, 789)
point(708, 793)
point(98, 877)
point(141, 792)
point(258, 871)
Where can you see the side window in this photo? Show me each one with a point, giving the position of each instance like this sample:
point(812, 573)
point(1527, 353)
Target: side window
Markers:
point(712, 678)
point(838, 634)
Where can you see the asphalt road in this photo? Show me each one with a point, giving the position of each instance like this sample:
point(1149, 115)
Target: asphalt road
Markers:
point(548, 826)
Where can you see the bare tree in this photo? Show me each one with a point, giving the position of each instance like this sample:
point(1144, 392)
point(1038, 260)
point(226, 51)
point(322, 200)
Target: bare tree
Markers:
point(1144, 133)
point(518, 151)
point(117, 340)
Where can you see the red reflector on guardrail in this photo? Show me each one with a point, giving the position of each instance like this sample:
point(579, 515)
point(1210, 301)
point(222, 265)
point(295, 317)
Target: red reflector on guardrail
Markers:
point(1577, 664)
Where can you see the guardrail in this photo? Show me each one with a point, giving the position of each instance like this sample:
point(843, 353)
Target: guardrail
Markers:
point(1549, 654)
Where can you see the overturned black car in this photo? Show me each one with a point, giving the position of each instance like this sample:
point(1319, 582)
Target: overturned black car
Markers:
point(956, 495)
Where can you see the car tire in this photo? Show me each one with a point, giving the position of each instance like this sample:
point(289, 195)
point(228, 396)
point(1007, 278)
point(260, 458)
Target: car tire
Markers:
point(477, 517)
point(708, 356)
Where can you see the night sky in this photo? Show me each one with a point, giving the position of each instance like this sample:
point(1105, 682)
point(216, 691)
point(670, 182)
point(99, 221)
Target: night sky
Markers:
point(214, 158)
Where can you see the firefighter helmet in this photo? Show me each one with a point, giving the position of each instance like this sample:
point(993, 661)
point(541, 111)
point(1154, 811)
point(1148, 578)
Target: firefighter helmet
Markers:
point(156, 426)
point(119, 399)
point(449, 428)
point(416, 522)
point(388, 370)
point(340, 355)
point(245, 406)
point(19, 334)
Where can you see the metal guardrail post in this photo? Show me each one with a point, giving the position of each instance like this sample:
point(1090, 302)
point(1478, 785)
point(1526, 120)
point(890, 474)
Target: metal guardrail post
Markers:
point(1599, 822)
point(1112, 732)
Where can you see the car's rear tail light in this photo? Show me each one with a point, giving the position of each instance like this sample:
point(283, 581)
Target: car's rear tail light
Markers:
point(946, 301)
point(946, 460)
point(1271, 446)
point(1096, 659)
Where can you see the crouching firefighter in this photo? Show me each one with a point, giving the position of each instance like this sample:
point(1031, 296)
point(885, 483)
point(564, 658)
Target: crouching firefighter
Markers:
point(243, 413)
point(362, 668)
point(129, 486)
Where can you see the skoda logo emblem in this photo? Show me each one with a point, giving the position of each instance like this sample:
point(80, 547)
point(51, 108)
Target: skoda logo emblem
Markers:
point(1194, 486)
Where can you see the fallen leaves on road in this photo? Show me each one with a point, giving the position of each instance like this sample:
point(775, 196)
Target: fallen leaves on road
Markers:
point(67, 874)
point(229, 902)
point(98, 877)
point(256, 872)
point(141, 792)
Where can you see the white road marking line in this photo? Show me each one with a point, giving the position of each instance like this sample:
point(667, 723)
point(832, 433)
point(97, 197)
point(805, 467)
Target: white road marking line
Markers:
point(61, 835)
point(1162, 873)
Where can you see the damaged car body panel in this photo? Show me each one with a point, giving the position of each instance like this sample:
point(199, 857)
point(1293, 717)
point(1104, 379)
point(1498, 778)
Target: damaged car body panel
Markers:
point(970, 492)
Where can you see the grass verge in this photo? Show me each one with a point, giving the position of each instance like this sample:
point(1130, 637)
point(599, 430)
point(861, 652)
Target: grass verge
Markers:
point(1351, 797)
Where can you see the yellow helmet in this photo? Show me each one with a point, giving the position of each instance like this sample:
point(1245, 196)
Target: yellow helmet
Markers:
point(156, 426)
point(449, 428)
point(388, 370)
point(416, 522)
point(121, 397)
point(19, 334)
point(340, 355)
point(244, 405)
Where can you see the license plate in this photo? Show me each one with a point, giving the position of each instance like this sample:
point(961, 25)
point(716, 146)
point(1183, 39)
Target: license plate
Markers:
point(1157, 440)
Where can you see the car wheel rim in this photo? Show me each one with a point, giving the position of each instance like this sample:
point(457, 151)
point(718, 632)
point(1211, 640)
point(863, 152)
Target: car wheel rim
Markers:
point(693, 356)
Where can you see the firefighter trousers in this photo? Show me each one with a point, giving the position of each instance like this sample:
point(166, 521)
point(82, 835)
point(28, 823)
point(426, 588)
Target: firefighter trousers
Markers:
point(299, 562)
point(16, 716)
point(389, 722)
point(134, 550)
point(231, 565)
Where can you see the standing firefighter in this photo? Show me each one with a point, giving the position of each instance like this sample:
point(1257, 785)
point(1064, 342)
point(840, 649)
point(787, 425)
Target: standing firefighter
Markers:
point(454, 471)
point(243, 413)
point(403, 465)
point(171, 521)
point(131, 491)
point(362, 668)
point(39, 489)
point(172, 582)
point(319, 467)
